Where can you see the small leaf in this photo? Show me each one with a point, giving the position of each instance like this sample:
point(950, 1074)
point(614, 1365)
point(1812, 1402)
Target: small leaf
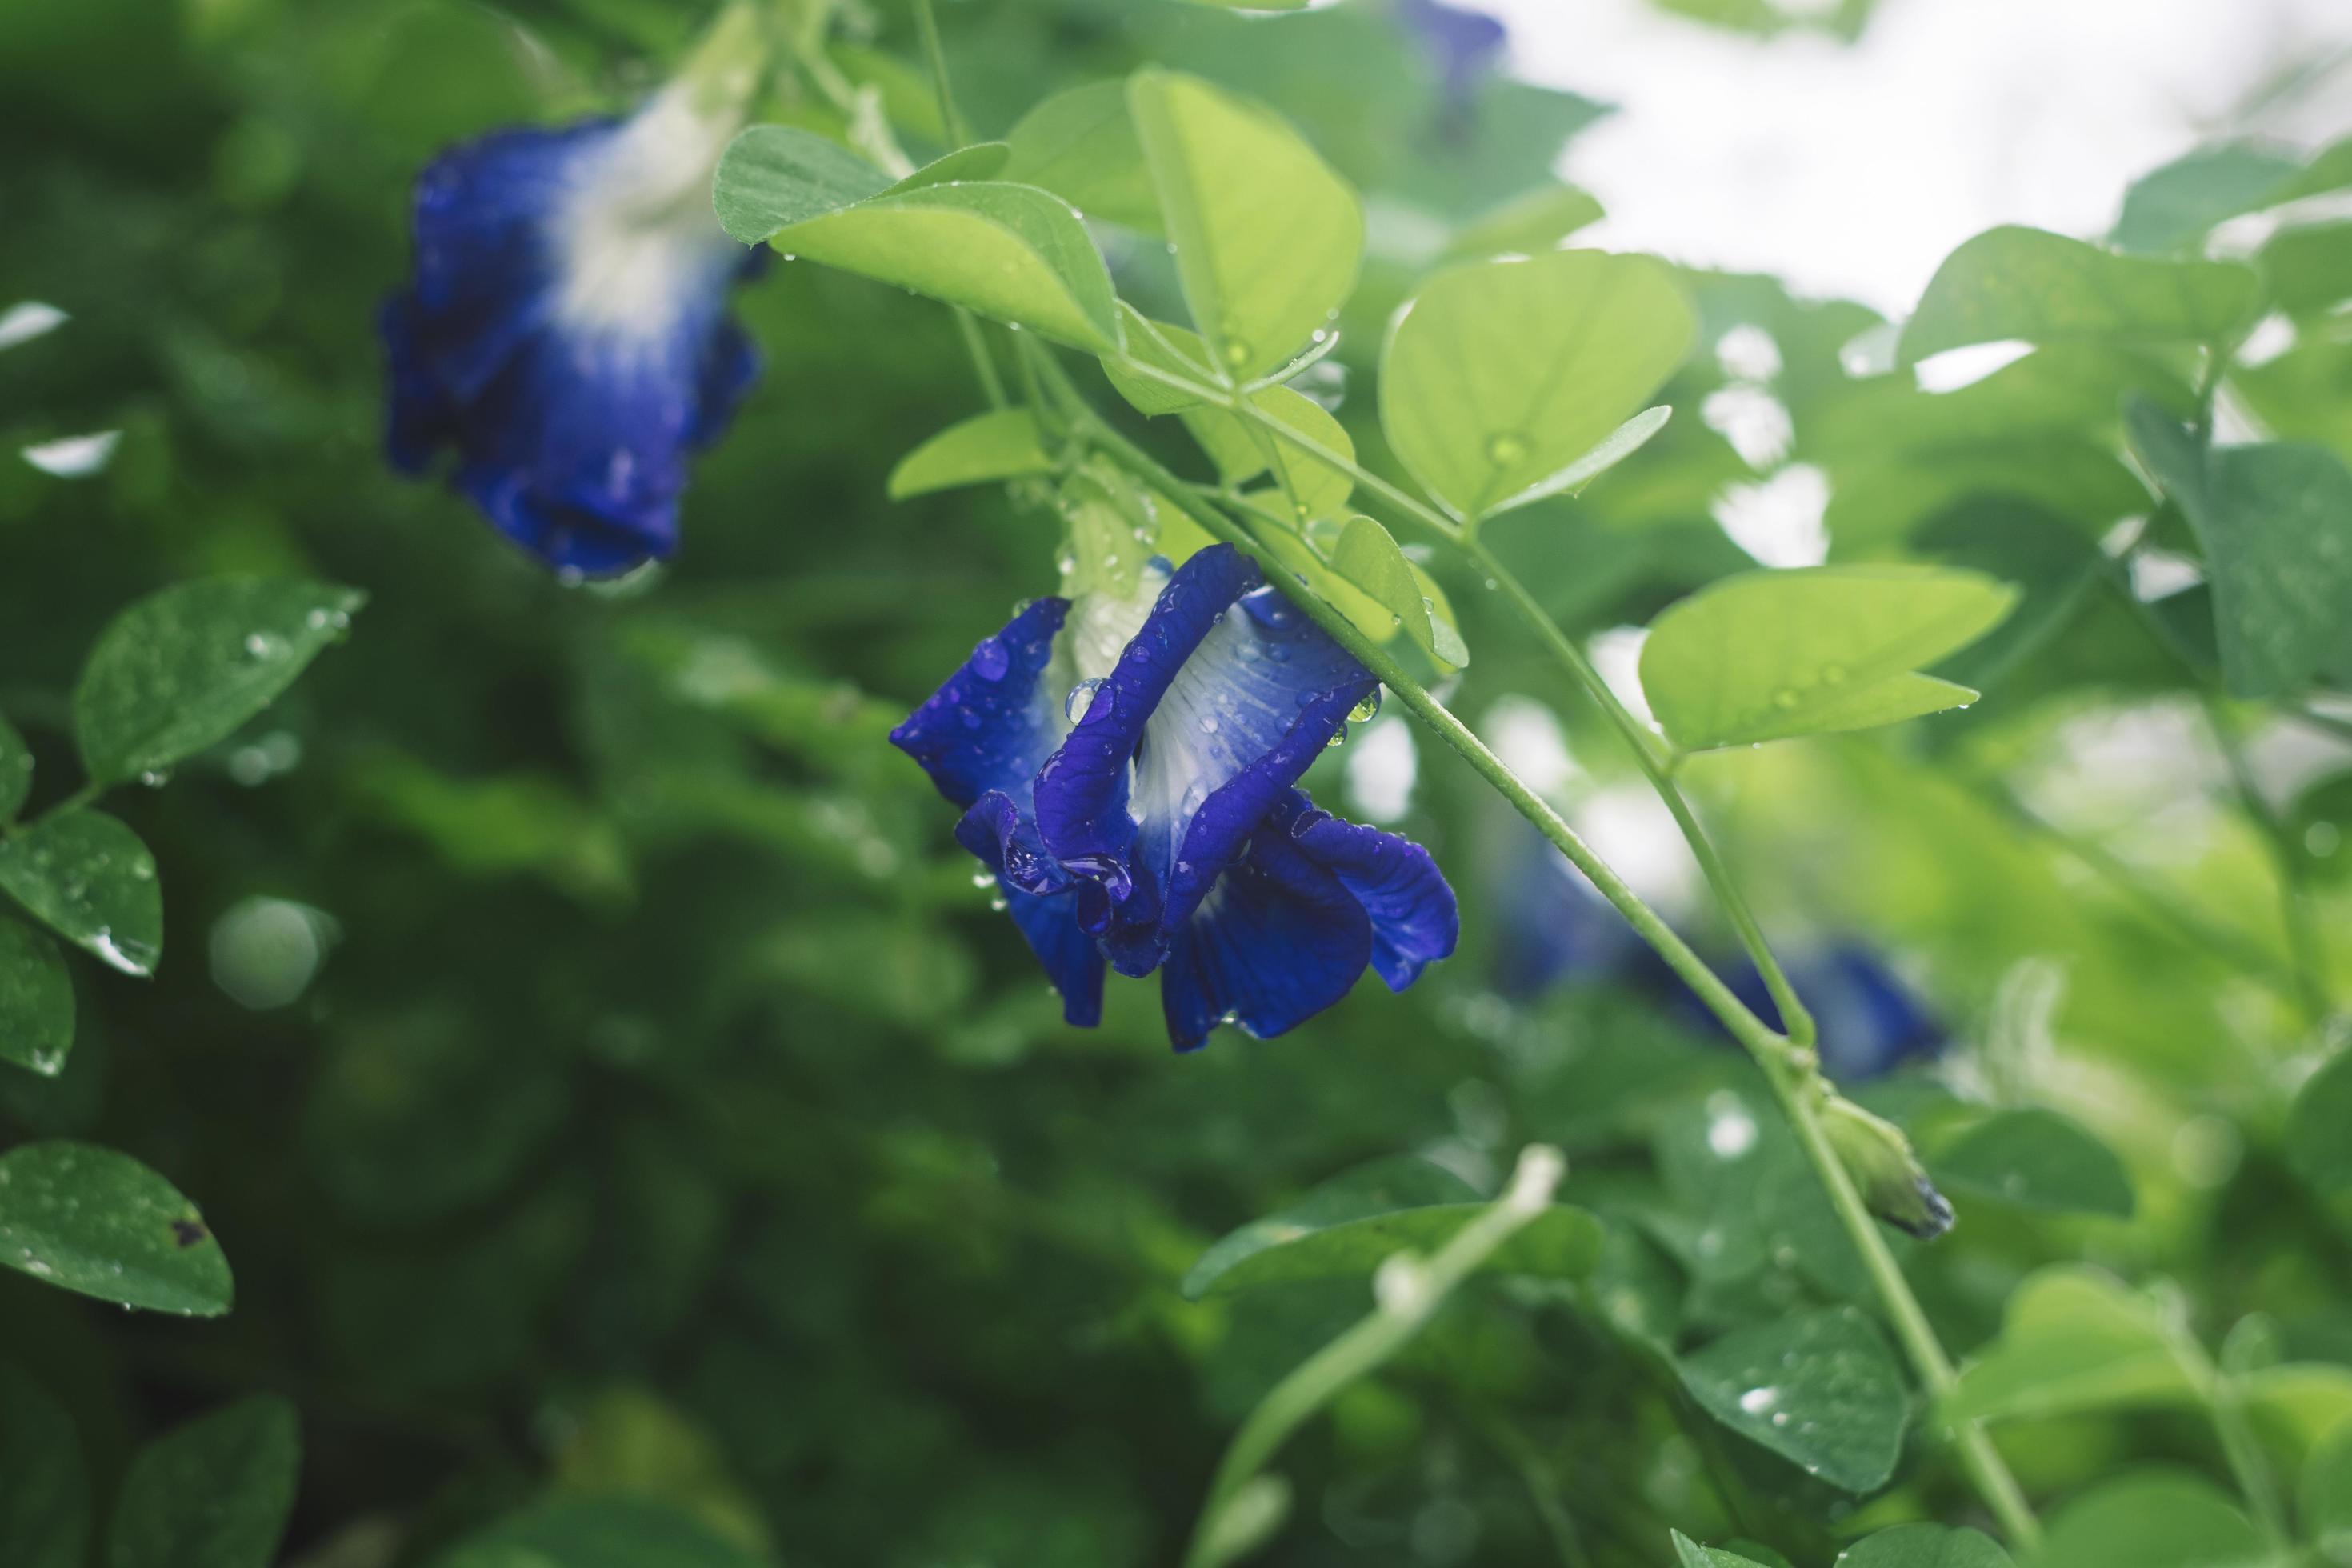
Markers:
point(1499, 377)
point(1820, 1388)
point(772, 176)
point(214, 1494)
point(98, 1222)
point(2175, 206)
point(976, 161)
point(1368, 558)
point(1242, 449)
point(1081, 145)
point(2271, 518)
point(1689, 1553)
point(1000, 444)
point(43, 1489)
point(2014, 283)
point(2156, 1519)
point(1925, 1546)
point(89, 879)
point(597, 1532)
point(36, 1004)
point(183, 668)
point(2038, 1160)
point(1527, 225)
point(2325, 1496)
point(2072, 1339)
point(1163, 347)
point(1267, 237)
point(2315, 1140)
point(1767, 654)
point(15, 772)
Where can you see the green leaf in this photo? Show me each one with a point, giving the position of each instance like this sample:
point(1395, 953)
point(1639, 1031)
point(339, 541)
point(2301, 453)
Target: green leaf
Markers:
point(1346, 1228)
point(2074, 1339)
point(1164, 347)
point(1242, 449)
point(43, 1489)
point(183, 668)
point(1925, 1546)
point(1527, 224)
point(597, 1532)
point(1009, 252)
point(36, 1004)
point(2024, 283)
point(1689, 1553)
point(1496, 378)
point(2300, 1405)
point(1767, 654)
point(1820, 1389)
point(1000, 444)
point(2315, 1143)
point(2271, 521)
point(2176, 206)
point(89, 879)
point(976, 161)
point(215, 1493)
point(98, 1222)
point(1267, 237)
point(1081, 145)
point(2037, 1159)
point(1368, 558)
point(15, 772)
point(2156, 1519)
point(2324, 1497)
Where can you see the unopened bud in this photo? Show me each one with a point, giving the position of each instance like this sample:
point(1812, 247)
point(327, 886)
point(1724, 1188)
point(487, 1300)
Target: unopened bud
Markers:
point(1879, 1159)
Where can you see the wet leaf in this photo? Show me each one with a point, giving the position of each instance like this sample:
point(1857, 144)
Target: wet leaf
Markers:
point(1820, 1388)
point(36, 1003)
point(98, 1222)
point(1081, 145)
point(1000, 444)
point(89, 879)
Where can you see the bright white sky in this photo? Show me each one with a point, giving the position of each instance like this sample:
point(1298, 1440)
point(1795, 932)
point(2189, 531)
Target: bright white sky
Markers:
point(1851, 170)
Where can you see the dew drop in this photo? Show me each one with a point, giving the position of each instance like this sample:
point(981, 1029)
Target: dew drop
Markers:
point(1505, 448)
point(989, 660)
point(1786, 698)
point(1366, 710)
point(1079, 706)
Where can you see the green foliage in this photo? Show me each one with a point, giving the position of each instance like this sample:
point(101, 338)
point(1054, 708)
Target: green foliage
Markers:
point(1820, 1389)
point(98, 1222)
point(1002, 444)
point(2157, 1519)
point(2074, 1339)
point(37, 1005)
point(15, 772)
point(1925, 1546)
point(2046, 288)
point(2174, 207)
point(44, 1490)
point(2038, 1160)
point(215, 1493)
point(1082, 146)
point(87, 878)
point(2325, 1497)
point(597, 1532)
point(2315, 1132)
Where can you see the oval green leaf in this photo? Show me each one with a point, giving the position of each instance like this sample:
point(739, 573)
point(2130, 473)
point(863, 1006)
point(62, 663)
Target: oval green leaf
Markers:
point(98, 1222)
point(2037, 1159)
point(1267, 237)
point(772, 176)
point(36, 1004)
point(1371, 560)
point(215, 1493)
point(1081, 145)
point(1821, 1389)
point(2071, 1340)
point(44, 1488)
point(181, 669)
point(1242, 449)
point(1002, 444)
point(89, 879)
point(1499, 377)
point(2156, 1519)
point(1768, 655)
point(1925, 1546)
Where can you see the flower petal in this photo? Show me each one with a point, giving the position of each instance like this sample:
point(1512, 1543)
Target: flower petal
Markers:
point(1415, 919)
point(991, 726)
point(1276, 941)
point(1042, 900)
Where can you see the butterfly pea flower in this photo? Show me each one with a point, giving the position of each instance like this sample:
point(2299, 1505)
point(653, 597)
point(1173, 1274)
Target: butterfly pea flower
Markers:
point(1467, 47)
point(565, 327)
point(1127, 763)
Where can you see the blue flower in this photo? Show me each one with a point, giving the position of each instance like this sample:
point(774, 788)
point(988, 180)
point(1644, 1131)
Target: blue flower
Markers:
point(565, 330)
point(1127, 765)
point(1466, 45)
point(1869, 1022)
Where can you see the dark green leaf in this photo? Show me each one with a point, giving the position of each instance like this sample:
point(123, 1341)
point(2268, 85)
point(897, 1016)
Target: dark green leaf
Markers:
point(15, 772)
point(1081, 145)
point(181, 669)
point(36, 1004)
point(2319, 1128)
point(1820, 1388)
point(597, 1532)
point(1000, 444)
point(772, 176)
point(2325, 1496)
point(215, 1493)
point(1925, 1546)
point(1689, 1553)
point(2046, 288)
point(91, 881)
point(98, 1222)
point(44, 1490)
point(2156, 1519)
point(2037, 1159)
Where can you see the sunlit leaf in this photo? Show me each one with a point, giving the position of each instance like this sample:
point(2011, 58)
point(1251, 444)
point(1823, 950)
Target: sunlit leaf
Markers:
point(215, 1493)
point(89, 879)
point(1821, 1389)
point(1002, 444)
point(1499, 377)
point(1163, 347)
point(1368, 558)
point(2046, 288)
point(36, 1004)
point(98, 1222)
point(1081, 145)
point(2037, 1159)
point(1527, 224)
point(1768, 655)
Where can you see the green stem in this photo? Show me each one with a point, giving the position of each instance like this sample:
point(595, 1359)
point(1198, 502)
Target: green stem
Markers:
point(1409, 1299)
point(1543, 1491)
point(935, 58)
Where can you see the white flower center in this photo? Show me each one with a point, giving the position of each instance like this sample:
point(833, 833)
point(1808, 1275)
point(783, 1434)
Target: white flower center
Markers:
point(638, 236)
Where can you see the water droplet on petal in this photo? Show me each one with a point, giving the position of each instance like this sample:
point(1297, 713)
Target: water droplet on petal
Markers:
point(1080, 705)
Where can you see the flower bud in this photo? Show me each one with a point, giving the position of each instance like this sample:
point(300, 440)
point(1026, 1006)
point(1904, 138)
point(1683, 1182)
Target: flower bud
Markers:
point(1879, 1159)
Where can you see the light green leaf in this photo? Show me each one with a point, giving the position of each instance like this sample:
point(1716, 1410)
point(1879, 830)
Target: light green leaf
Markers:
point(1689, 1553)
point(15, 771)
point(1925, 1546)
point(89, 879)
point(181, 669)
point(2300, 1405)
point(2074, 1339)
point(1000, 444)
point(2037, 1159)
point(1267, 237)
point(2156, 1519)
point(1499, 377)
point(98, 1222)
point(1081, 145)
point(1368, 558)
point(1527, 224)
point(1820, 1389)
point(44, 1488)
point(2271, 518)
point(36, 1004)
point(2024, 283)
point(1163, 347)
point(597, 1532)
point(2175, 206)
point(1009, 252)
point(1767, 654)
point(2315, 1140)
point(215, 1493)
point(2326, 1498)
point(1242, 449)
point(977, 161)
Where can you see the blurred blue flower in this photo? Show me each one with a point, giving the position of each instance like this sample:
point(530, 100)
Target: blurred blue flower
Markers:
point(1466, 45)
point(1869, 1022)
point(1128, 766)
point(565, 329)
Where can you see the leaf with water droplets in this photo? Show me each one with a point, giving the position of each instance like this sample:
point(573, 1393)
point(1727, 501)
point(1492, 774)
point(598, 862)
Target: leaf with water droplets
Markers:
point(44, 1490)
point(1820, 1388)
point(89, 879)
point(36, 1006)
point(181, 669)
point(15, 771)
point(96, 1221)
point(214, 1494)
